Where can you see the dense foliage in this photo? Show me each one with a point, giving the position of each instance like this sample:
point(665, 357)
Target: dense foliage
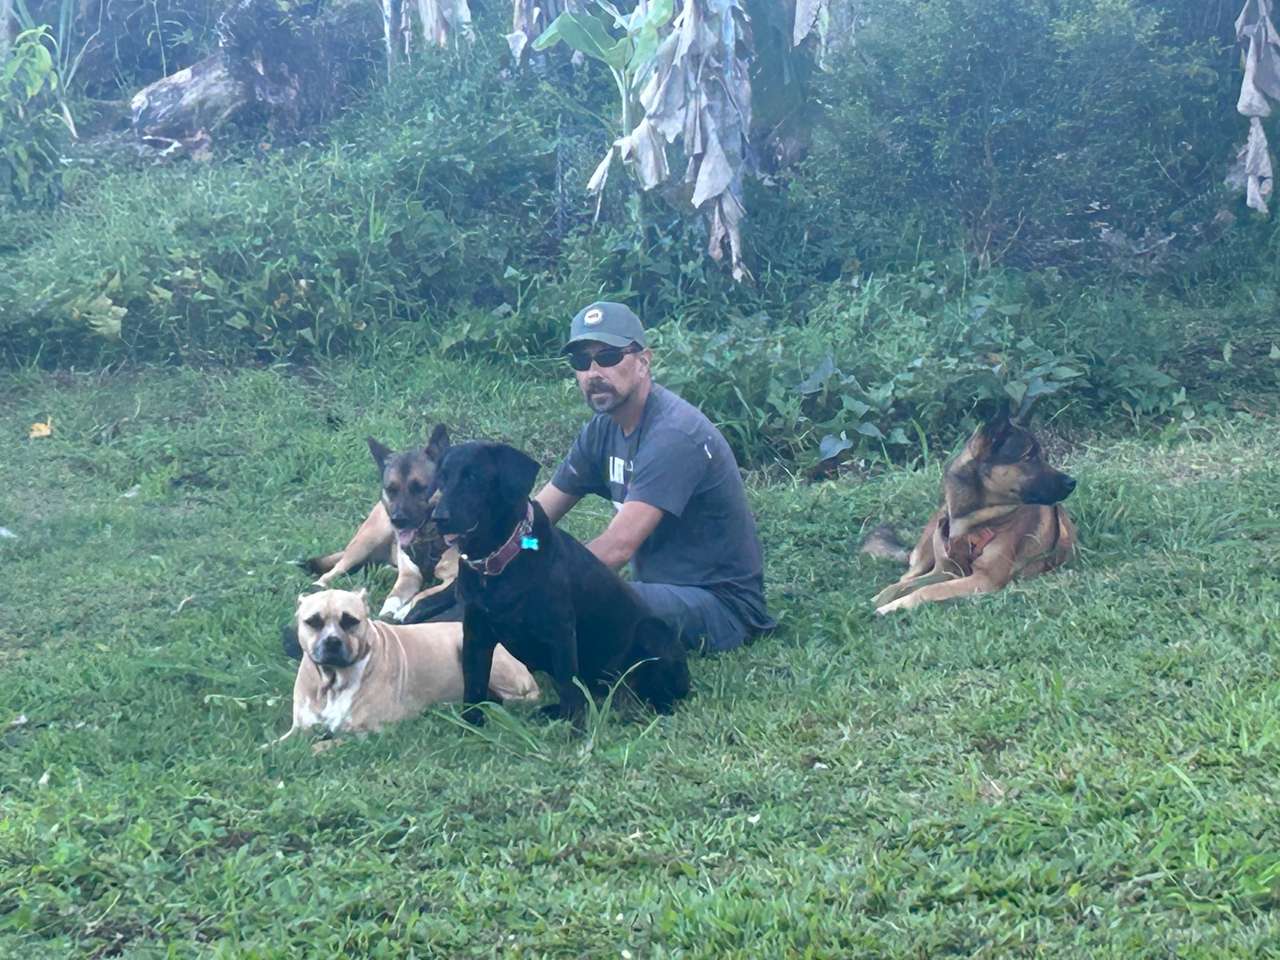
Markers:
point(31, 133)
point(989, 198)
point(1078, 134)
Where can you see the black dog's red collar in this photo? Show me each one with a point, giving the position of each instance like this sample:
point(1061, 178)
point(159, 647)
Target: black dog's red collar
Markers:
point(496, 562)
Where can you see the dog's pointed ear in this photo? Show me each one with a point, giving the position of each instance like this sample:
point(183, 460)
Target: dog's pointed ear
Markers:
point(989, 433)
point(978, 446)
point(1023, 413)
point(364, 596)
point(998, 427)
point(438, 445)
point(516, 472)
point(380, 453)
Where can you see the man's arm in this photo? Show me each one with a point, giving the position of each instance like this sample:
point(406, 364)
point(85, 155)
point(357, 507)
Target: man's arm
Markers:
point(629, 528)
point(555, 502)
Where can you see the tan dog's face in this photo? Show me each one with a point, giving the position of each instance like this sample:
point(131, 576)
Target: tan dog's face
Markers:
point(333, 626)
point(1003, 464)
point(408, 482)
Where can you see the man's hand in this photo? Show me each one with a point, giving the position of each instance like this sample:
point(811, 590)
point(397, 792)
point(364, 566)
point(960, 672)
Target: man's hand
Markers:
point(629, 528)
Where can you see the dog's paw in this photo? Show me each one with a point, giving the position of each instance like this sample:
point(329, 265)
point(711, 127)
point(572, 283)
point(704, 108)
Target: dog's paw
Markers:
point(279, 740)
point(474, 716)
point(576, 715)
point(393, 608)
point(899, 604)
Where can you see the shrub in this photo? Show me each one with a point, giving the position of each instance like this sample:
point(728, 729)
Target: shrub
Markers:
point(413, 209)
point(31, 135)
point(1032, 133)
point(895, 367)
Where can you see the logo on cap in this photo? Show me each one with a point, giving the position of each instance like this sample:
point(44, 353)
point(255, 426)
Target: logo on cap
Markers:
point(593, 316)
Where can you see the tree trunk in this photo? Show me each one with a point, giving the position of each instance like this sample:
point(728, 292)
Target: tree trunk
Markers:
point(274, 68)
point(179, 106)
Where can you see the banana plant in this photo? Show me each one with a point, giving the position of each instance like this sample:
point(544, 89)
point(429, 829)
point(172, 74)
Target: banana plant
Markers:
point(629, 55)
point(680, 76)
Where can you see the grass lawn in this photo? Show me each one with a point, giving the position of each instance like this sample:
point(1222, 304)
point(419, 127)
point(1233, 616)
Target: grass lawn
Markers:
point(1085, 765)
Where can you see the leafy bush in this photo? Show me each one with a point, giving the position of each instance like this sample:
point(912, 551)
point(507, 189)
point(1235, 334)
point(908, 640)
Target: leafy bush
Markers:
point(31, 135)
point(413, 210)
point(892, 367)
point(1077, 134)
point(884, 367)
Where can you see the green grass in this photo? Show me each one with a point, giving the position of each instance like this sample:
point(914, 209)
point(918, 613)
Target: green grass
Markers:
point(1084, 765)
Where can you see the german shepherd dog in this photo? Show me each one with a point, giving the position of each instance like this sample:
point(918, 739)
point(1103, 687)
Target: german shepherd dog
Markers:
point(1001, 518)
point(540, 593)
point(399, 531)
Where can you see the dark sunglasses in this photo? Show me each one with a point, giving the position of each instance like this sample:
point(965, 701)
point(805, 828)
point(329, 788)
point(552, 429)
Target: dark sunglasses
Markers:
point(608, 357)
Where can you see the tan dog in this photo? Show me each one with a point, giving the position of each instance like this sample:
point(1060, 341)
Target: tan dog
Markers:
point(358, 674)
point(1001, 519)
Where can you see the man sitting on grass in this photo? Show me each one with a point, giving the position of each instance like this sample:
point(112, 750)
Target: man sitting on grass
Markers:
point(682, 517)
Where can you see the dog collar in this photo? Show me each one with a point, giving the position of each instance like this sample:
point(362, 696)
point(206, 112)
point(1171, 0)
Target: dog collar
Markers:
point(521, 539)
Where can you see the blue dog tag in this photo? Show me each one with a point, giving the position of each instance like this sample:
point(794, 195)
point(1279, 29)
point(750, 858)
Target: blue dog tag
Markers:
point(528, 543)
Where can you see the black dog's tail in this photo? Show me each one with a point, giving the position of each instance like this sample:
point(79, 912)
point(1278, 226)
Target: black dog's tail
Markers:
point(664, 678)
point(883, 542)
point(289, 641)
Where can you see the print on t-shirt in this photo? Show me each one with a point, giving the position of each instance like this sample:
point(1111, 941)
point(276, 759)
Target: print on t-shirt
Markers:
point(618, 470)
point(619, 475)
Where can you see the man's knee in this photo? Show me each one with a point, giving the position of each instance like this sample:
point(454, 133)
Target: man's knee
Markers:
point(699, 617)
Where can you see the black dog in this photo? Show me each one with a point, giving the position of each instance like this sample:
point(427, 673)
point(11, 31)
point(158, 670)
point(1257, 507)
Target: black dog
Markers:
point(542, 594)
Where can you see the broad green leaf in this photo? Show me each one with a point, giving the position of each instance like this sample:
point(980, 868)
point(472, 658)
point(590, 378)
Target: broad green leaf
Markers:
point(659, 15)
point(855, 406)
point(832, 446)
point(585, 34)
point(870, 430)
point(648, 33)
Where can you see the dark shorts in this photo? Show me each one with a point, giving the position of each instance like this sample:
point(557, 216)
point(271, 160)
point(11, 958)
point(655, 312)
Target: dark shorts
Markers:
point(700, 617)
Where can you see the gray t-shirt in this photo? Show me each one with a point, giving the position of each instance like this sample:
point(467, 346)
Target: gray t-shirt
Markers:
point(676, 460)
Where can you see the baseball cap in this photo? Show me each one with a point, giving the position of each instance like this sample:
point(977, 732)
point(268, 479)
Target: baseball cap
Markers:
point(605, 322)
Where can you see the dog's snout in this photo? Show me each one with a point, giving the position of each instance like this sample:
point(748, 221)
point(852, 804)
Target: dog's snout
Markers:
point(1066, 484)
point(331, 645)
point(1049, 488)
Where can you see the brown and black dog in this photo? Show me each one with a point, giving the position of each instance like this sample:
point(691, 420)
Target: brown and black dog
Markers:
point(1001, 519)
point(399, 531)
